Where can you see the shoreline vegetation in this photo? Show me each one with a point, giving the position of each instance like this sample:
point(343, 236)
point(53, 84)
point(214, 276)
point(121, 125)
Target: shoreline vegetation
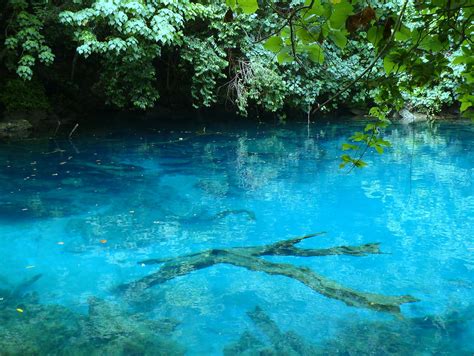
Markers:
point(70, 61)
point(402, 60)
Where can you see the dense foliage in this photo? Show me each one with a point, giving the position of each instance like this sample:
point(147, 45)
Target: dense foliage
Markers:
point(264, 54)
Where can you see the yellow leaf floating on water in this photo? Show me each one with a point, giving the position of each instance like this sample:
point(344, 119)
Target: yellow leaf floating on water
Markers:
point(103, 241)
point(19, 310)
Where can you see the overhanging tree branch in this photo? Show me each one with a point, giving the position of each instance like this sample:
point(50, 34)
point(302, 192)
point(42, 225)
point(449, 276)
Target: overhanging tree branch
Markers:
point(371, 65)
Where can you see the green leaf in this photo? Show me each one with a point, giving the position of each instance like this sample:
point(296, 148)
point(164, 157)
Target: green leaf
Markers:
point(306, 36)
point(359, 163)
point(325, 30)
point(349, 146)
point(358, 136)
point(285, 56)
point(341, 11)
point(231, 3)
point(248, 6)
point(316, 9)
point(339, 38)
point(24, 72)
point(379, 149)
point(274, 44)
point(369, 127)
point(463, 60)
point(465, 105)
point(346, 158)
point(285, 32)
point(403, 34)
point(431, 43)
point(388, 65)
point(11, 42)
point(315, 53)
point(385, 143)
point(375, 34)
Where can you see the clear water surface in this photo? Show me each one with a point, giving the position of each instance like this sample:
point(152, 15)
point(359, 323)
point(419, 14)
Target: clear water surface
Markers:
point(76, 218)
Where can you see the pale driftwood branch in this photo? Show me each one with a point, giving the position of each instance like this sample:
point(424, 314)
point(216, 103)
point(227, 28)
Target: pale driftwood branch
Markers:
point(73, 130)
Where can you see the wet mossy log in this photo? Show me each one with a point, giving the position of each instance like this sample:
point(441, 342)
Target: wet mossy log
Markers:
point(248, 257)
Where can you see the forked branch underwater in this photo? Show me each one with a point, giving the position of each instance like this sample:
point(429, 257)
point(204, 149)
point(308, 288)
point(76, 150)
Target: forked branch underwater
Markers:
point(249, 258)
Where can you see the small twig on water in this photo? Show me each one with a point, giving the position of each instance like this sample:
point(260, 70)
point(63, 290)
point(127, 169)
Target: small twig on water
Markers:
point(57, 129)
point(309, 119)
point(73, 129)
point(73, 146)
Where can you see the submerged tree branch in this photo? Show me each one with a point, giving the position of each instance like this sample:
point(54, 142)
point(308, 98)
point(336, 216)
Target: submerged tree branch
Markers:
point(248, 258)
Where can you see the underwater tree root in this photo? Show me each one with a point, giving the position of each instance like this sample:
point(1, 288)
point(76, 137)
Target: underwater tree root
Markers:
point(248, 257)
point(278, 341)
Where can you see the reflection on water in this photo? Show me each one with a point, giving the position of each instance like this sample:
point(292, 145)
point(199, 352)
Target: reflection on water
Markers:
point(76, 222)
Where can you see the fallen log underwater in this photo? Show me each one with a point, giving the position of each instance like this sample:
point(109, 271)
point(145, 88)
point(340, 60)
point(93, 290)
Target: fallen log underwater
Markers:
point(277, 342)
point(9, 296)
point(248, 257)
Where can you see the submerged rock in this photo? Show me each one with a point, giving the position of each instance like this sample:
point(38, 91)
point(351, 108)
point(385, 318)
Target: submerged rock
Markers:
point(37, 206)
point(409, 117)
point(15, 129)
point(30, 328)
point(109, 330)
point(218, 188)
point(430, 335)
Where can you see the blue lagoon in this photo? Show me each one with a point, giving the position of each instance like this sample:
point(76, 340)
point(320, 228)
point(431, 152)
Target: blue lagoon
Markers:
point(178, 240)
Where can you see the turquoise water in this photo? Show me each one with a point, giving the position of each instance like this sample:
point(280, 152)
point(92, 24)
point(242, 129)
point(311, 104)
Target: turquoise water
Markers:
point(77, 218)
